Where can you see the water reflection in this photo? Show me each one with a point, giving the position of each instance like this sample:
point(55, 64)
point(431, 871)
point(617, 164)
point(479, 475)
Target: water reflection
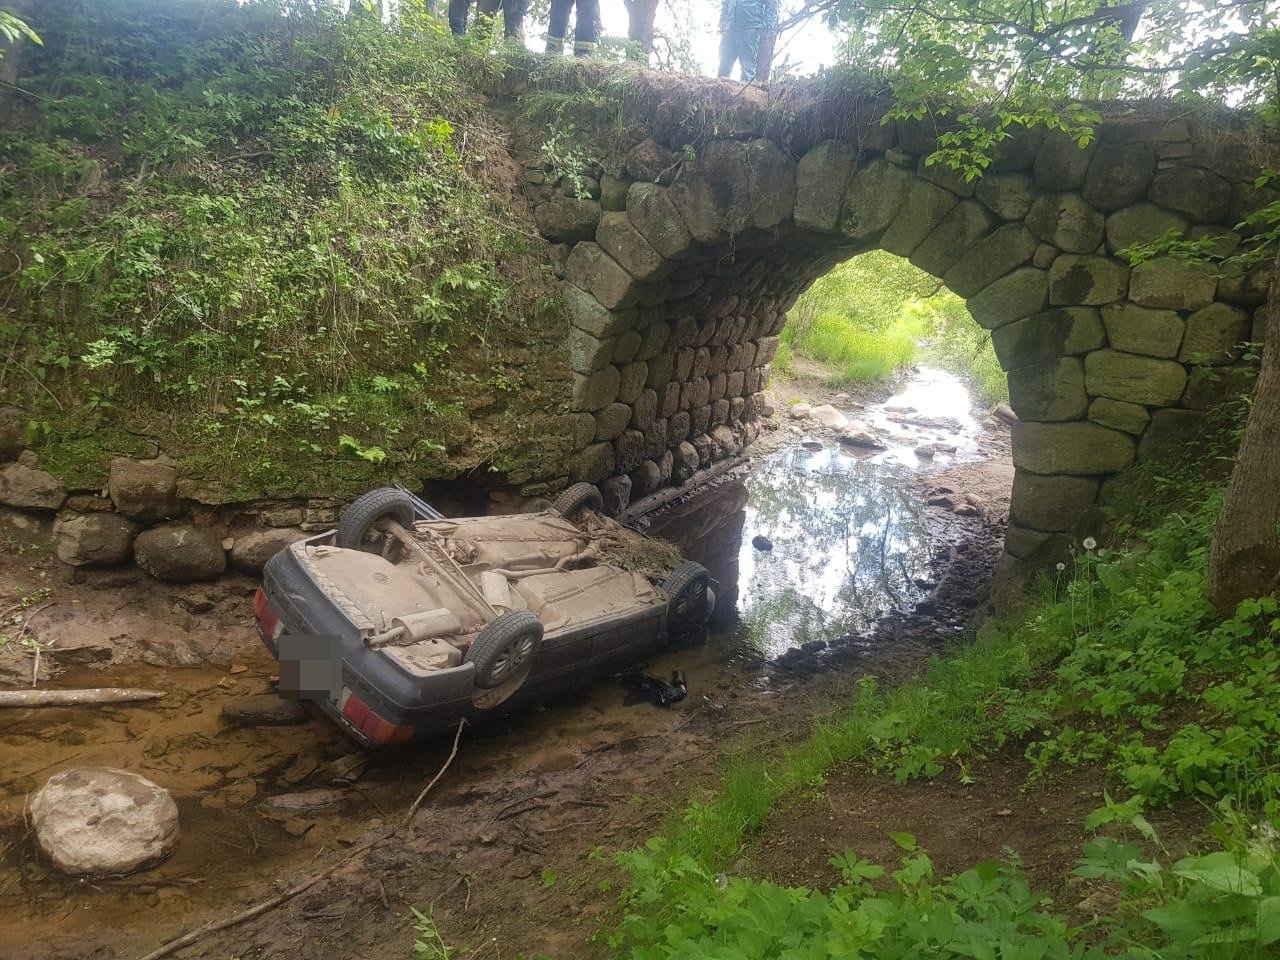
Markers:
point(848, 544)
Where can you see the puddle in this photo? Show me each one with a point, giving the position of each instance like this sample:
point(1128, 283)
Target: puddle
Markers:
point(848, 544)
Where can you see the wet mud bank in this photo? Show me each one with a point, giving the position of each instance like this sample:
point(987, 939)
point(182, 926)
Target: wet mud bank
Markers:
point(874, 560)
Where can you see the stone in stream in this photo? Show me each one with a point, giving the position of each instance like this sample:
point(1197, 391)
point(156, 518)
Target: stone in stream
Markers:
point(761, 542)
point(305, 801)
point(93, 821)
point(829, 416)
point(800, 411)
point(860, 435)
point(263, 710)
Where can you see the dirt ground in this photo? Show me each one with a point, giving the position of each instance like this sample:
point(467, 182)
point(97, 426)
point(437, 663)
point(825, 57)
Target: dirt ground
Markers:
point(509, 851)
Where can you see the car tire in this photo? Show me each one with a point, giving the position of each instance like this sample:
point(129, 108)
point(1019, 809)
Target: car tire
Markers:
point(687, 590)
point(505, 649)
point(385, 503)
point(578, 497)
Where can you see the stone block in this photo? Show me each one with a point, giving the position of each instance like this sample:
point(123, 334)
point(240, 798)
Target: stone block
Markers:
point(669, 401)
point(616, 494)
point(180, 552)
point(628, 451)
point(1049, 390)
point(1067, 222)
point(678, 427)
point(874, 197)
point(1022, 542)
point(1061, 163)
point(1246, 289)
point(1008, 248)
point(822, 177)
point(611, 421)
point(645, 479)
point(1215, 335)
point(766, 350)
point(580, 427)
point(732, 186)
point(653, 339)
point(624, 243)
point(683, 333)
point(1119, 415)
point(1087, 280)
point(1007, 195)
point(1050, 504)
point(1119, 175)
point(94, 539)
point(1077, 448)
point(1044, 256)
point(1201, 194)
point(701, 362)
point(1134, 378)
point(718, 386)
point(699, 419)
point(655, 439)
point(666, 464)
point(1013, 297)
point(594, 463)
point(1207, 387)
point(631, 381)
point(1141, 223)
point(588, 314)
point(684, 364)
point(613, 193)
point(720, 412)
point(644, 411)
point(145, 491)
point(1019, 151)
point(1169, 432)
point(706, 448)
point(1054, 333)
point(652, 213)
point(593, 392)
point(735, 384)
point(651, 162)
point(1170, 284)
point(1135, 329)
point(686, 462)
point(588, 354)
point(590, 268)
point(661, 369)
point(958, 233)
point(924, 209)
point(567, 219)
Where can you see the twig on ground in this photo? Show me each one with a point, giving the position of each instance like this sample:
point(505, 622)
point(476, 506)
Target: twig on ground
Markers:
point(260, 908)
point(413, 807)
point(63, 698)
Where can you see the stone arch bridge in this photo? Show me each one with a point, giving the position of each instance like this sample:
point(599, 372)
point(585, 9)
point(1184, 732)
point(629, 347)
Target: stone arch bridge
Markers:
point(721, 204)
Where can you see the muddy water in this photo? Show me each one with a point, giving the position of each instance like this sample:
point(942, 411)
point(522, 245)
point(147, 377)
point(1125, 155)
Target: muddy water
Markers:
point(848, 544)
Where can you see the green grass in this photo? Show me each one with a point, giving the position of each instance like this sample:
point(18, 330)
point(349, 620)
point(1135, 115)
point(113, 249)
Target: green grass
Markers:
point(1123, 667)
point(246, 231)
point(853, 353)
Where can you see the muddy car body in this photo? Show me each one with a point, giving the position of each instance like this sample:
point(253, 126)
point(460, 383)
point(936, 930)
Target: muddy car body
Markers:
point(423, 622)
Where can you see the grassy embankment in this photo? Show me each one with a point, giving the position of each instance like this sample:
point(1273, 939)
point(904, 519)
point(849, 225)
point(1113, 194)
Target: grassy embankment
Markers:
point(876, 314)
point(281, 246)
point(1122, 672)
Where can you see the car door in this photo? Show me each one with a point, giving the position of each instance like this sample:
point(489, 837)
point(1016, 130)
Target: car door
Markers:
point(626, 638)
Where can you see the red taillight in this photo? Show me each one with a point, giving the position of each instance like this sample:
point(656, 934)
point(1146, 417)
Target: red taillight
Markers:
point(268, 620)
point(370, 724)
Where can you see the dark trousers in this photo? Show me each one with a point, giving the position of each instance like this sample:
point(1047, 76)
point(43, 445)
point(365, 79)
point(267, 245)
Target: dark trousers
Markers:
point(586, 28)
point(513, 12)
point(741, 45)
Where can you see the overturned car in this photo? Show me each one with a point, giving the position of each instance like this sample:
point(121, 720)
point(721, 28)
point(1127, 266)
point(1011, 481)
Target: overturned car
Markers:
point(401, 621)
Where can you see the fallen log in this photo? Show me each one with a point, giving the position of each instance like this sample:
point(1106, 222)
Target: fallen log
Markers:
point(73, 698)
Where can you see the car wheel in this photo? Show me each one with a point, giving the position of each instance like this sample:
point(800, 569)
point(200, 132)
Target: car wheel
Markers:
point(385, 503)
point(580, 496)
point(687, 593)
point(505, 648)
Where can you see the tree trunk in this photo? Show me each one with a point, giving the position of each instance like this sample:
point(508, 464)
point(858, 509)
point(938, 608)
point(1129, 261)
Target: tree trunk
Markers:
point(640, 17)
point(1245, 557)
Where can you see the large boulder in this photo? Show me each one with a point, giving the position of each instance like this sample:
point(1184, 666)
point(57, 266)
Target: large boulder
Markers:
point(1141, 223)
point(1119, 415)
point(1067, 222)
point(1119, 175)
point(1215, 335)
point(874, 197)
point(1005, 250)
point(23, 484)
point(651, 161)
point(822, 176)
point(621, 240)
point(1049, 390)
point(1007, 195)
point(143, 490)
point(924, 209)
point(92, 821)
point(1051, 504)
point(250, 552)
point(94, 539)
point(12, 433)
point(180, 552)
point(1201, 194)
point(1169, 433)
point(1014, 296)
point(590, 268)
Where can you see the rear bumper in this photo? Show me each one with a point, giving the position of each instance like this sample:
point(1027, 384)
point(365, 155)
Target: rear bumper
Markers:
point(428, 704)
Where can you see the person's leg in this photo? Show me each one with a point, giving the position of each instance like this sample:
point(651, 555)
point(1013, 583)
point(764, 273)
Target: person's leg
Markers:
point(587, 28)
point(749, 52)
point(458, 16)
point(557, 24)
point(513, 12)
point(728, 52)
